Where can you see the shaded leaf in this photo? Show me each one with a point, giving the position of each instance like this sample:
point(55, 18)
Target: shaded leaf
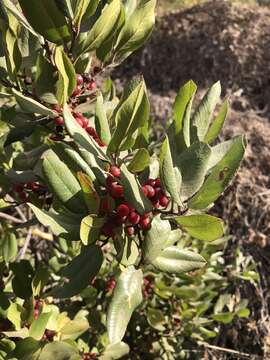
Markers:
point(217, 124)
point(59, 350)
point(90, 229)
point(140, 161)
point(31, 106)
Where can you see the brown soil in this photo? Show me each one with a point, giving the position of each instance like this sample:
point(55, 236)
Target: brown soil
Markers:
point(231, 43)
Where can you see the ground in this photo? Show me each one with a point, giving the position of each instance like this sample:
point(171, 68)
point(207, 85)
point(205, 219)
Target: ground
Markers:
point(211, 41)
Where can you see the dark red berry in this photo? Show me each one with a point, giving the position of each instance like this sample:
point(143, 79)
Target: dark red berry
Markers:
point(145, 190)
point(33, 186)
point(145, 223)
point(155, 202)
point(134, 218)
point(115, 171)
point(91, 131)
point(130, 231)
point(122, 210)
point(92, 85)
point(59, 121)
point(117, 191)
point(158, 182)
point(100, 143)
point(18, 188)
point(164, 201)
point(76, 91)
point(108, 229)
point(147, 215)
point(150, 190)
point(104, 205)
point(109, 181)
point(158, 192)
point(151, 182)
point(23, 196)
point(79, 79)
point(55, 137)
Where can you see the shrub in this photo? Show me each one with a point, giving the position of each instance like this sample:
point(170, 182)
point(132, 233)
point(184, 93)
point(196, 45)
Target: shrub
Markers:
point(118, 200)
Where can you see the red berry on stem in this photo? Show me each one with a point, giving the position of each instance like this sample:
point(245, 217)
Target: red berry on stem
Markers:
point(122, 210)
point(18, 188)
point(115, 171)
point(57, 108)
point(134, 218)
point(145, 190)
point(151, 191)
point(109, 181)
point(55, 137)
point(91, 131)
point(151, 182)
point(108, 229)
point(158, 192)
point(79, 79)
point(130, 231)
point(76, 91)
point(145, 223)
point(164, 201)
point(59, 121)
point(155, 202)
point(92, 85)
point(117, 191)
point(158, 182)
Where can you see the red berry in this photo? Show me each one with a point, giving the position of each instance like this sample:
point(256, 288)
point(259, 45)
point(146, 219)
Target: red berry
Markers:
point(164, 201)
point(155, 202)
point(158, 192)
point(100, 143)
point(147, 215)
point(151, 182)
point(109, 181)
point(134, 218)
point(117, 191)
point(23, 196)
point(150, 190)
point(18, 188)
point(55, 137)
point(130, 231)
point(145, 190)
point(91, 131)
point(76, 91)
point(80, 121)
point(145, 223)
point(59, 121)
point(115, 171)
point(158, 182)
point(33, 186)
point(79, 79)
point(108, 229)
point(92, 85)
point(104, 205)
point(122, 210)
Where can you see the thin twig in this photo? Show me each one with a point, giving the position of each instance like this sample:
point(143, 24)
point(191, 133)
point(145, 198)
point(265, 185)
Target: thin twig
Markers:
point(10, 217)
point(218, 348)
point(25, 245)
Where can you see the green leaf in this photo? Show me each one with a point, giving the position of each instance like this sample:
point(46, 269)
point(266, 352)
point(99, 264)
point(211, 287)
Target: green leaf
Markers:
point(28, 159)
point(66, 226)
point(127, 250)
point(91, 197)
point(90, 229)
point(127, 295)
point(133, 192)
point(220, 176)
point(45, 17)
point(63, 183)
point(170, 177)
point(193, 167)
point(101, 121)
point(67, 76)
point(131, 113)
point(137, 29)
point(31, 106)
point(219, 151)
point(140, 161)
point(203, 227)
point(82, 269)
point(22, 281)
point(26, 347)
point(59, 350)
point(115, 351)
point(8, 246)
point(39, 325)
point(175, 260)
point(45, 80)
point(202, 117)
point(65, 6)
point(103, 28)
point(156, 238)
point(156, 319)
point(11, 51)
point(80, 10)
point(217, 124)
point(174, 236)
point(14, 315)
point(40, 280)
point(225, 318)
point(181, 113)
point(74, 328)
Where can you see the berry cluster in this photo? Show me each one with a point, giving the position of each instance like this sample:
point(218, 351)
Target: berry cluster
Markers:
point(122, 214)
point(147, 287)
point(37, 308)
point(23, 190)
point(152, 189)
point(89, 356)
point(85, 82)
point(110, 285)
